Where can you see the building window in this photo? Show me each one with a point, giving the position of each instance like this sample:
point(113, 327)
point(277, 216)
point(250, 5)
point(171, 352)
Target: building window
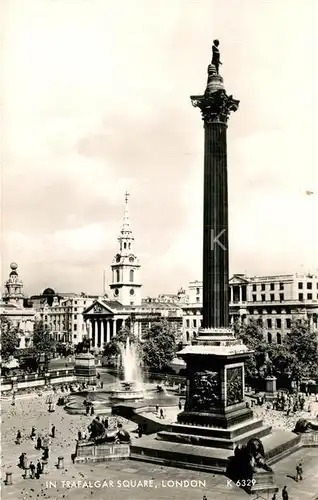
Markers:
point(117, 275)
point(278, 323)
point(75, 316)
point(194, 323)
point(75, 308)
point(309, 285)
point(125, 245)
point(300, 296)
point(272, 286)
point(281, 286)
point(281, 297)
point(75, 302)
point(198, 299)
point(188, 323)
point(269, 323)
point(116, 292)
point(279, 338)
point(263, 287)
point(187, 336)
point(309, 296)
point(74, 336)
point(132, 303)
point(300, 286)
point(198, 290)
point(288, 322)
point(132, 291)
point(75, 328)
point(263, 297)
point(254, 288)
point(269, 337)
point(131, 276)
point(272, 297)
point(254, 298)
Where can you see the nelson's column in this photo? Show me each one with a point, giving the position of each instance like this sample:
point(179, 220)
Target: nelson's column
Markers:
point(216, 418)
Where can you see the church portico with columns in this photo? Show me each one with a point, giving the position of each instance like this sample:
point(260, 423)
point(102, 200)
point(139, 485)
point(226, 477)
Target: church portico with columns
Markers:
point(105, 318)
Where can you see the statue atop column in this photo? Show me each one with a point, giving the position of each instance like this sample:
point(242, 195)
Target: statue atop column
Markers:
point(216, 55)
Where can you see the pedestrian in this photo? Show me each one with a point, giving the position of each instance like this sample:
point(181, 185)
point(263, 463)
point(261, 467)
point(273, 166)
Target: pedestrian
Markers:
point(161, 413)
point(21, 460)
point(285, 493)
point(98, 376)
point(157, 408)
point(32, 470)
point(102, 385)
point(92, 410)
point(140, 430)
point(18, 439)
point(38, 469)
point(38, 443)
point(25, 461)
point(204, 497)
point(53, 431)
point(79, 436)
point(106, 423)
point(33, 433)
point(87, 410)
point(274, 497)
point(299, 472)
point(180, 405)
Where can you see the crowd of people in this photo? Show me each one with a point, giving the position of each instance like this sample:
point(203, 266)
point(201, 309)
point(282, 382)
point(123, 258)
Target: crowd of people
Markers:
point(41, 444)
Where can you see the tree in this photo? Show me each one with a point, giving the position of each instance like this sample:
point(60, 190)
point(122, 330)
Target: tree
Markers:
point(159, 347)
point(9, 338)
point(302, 346)
point(252, 336)
point(295, 359)
point(43, 343)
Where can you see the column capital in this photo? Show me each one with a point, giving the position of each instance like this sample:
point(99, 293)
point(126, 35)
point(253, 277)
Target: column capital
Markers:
point(216, 107)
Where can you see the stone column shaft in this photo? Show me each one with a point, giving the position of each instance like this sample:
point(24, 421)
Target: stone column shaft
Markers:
point(107, 331)
point(215, 230)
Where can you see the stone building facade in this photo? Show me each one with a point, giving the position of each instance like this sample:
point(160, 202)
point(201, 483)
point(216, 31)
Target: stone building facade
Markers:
point(14, 307)
point(273, 301)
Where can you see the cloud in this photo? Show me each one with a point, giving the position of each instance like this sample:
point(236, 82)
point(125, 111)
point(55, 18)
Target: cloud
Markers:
point(96, 100)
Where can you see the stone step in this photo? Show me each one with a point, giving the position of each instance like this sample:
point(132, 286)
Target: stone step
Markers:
point(213, 442)
point(262, 488)
point(264, 477)
point(180, 455)
point(176, 463)
point(229, 433)
point(280, 444)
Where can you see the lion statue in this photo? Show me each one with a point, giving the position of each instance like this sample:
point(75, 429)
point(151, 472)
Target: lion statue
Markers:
point(99, 434)
point(247, 460)
point(305, 425)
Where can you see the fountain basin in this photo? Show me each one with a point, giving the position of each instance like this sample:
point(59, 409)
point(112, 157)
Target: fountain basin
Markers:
point(99, 399)
point(128, 391)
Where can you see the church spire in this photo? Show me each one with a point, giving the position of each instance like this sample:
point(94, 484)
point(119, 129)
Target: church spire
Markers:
point(126, 284)
point(126, 237)
point(126, 221)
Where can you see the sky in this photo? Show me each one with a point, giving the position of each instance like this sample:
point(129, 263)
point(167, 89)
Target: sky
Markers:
point(95, 101)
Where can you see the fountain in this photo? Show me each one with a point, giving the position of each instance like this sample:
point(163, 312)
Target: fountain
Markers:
point(131, 388)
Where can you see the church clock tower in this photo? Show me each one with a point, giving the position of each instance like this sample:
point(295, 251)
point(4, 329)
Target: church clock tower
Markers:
point(125, 286)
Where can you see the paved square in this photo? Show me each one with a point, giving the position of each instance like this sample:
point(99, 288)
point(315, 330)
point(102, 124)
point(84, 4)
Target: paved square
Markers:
point(118, 480)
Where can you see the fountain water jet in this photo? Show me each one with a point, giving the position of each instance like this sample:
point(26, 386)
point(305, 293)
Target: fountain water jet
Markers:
point(131, 388)
point(130, 362)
